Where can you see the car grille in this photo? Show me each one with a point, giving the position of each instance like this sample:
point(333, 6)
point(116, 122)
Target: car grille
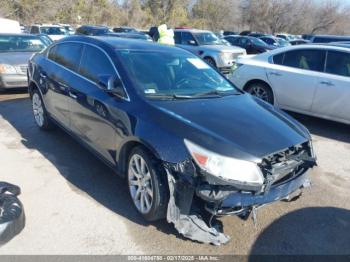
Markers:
point(283, 166)
point(22, 69)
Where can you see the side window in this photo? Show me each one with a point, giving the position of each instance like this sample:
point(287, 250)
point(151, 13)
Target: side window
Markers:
point(233, 40)
point(177, 38)
point(268, 41)
point(338, 63)
point(305, 59)
point(278, 59)
point(243, 42)
point(95, 63)
point(34, 30)
point(52, 53)
point(68, 55)
point(186, 37)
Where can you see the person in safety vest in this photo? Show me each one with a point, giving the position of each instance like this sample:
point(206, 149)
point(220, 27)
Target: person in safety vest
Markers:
point(166, 36)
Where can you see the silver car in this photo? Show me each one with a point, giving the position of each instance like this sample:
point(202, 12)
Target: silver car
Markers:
point(308, 79)
point(15, 51)
point(209, 47)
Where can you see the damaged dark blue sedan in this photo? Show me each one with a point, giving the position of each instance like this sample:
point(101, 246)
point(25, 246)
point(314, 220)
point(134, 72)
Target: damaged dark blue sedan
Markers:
point(189, 143)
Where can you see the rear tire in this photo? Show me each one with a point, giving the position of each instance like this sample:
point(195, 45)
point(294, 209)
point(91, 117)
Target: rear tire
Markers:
point(41, 116)
point(147, 185)
point(260, 90)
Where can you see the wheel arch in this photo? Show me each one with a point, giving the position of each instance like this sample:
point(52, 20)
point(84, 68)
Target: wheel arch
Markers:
point(127, 147)
point(33, 86)
point(253, 81)
point(208, 56)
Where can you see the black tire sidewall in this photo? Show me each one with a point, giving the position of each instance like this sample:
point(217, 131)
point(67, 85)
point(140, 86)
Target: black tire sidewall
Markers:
point(210, 61)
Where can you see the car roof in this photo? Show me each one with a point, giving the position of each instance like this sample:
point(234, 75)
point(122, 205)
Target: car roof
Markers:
point(17, 34)
point(45, 25)
point(344, 45)
point(333, 36)
point(120, 43)
point(95, 26)
point(192, 30)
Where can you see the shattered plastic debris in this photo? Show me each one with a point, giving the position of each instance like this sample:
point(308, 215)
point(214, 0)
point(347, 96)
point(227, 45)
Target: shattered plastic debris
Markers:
point(189, 225)
point(12, 219)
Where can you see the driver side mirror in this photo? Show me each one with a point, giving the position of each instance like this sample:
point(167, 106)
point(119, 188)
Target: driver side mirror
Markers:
point(111, 84)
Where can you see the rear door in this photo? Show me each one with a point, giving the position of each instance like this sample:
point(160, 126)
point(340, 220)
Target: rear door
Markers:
point(294, 77)
point(332, 98)
point(58, 76)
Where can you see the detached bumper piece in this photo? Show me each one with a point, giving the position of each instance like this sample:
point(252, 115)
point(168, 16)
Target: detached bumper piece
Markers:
point(188, 223)
point(12, 219)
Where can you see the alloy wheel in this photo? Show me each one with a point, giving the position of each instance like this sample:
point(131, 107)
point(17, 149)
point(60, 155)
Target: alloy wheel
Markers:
point(38, 110)
point(260, 93)
point(140, 184)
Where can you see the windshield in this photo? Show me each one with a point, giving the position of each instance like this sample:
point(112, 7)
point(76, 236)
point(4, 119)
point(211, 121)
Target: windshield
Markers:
point(283, 42)
point(257, 41)
point(19, 43)
point(174, 74)
point(53, 30)
point(207, 39)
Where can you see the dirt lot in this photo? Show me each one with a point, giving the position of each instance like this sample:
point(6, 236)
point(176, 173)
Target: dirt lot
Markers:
point(75, 205)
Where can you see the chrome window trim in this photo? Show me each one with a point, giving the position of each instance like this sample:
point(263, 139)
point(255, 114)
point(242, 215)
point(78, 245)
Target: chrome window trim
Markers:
point(127, 98)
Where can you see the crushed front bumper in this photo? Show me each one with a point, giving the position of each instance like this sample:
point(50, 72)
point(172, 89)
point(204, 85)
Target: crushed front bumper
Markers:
point(191, 193)
point(279, 192)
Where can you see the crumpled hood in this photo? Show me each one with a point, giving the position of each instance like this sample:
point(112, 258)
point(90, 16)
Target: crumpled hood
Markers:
point(239, 126)
point(15, 58)
point(223, 48)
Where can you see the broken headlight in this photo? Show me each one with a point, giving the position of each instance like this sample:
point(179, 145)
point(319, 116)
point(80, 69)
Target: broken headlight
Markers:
point(226, 168)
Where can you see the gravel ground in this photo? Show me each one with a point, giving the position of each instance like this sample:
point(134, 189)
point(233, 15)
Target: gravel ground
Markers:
point(74, 204)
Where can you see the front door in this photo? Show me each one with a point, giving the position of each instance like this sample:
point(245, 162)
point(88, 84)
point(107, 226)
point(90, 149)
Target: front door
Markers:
point(92, 117)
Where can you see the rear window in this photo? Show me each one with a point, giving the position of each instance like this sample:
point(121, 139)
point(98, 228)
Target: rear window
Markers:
point(21, 43)
point(67, 55)
point(278, 59)
point(338, 63)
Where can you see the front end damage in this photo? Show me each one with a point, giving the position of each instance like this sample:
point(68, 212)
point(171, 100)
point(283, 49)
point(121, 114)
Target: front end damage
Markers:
point(196, 197)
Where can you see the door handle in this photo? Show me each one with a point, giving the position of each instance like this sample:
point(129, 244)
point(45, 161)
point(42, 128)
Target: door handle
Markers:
point(43, 75)
point(327, 83)
point(275, 74)
point(72, 95)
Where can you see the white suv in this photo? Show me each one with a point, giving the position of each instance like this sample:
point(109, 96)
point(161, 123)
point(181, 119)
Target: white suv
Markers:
point(309, 79)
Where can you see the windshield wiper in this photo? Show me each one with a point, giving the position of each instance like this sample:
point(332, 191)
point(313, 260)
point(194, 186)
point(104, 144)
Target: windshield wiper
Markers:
point(168, 96)
point(215, 93)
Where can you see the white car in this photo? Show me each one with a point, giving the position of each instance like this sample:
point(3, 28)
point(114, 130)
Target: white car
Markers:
point(308, 79)
point(55, 32)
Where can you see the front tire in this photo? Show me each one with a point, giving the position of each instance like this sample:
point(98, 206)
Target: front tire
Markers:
point(41, 116)
point(262, 91)
point(210, 61)
point(147, 185)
